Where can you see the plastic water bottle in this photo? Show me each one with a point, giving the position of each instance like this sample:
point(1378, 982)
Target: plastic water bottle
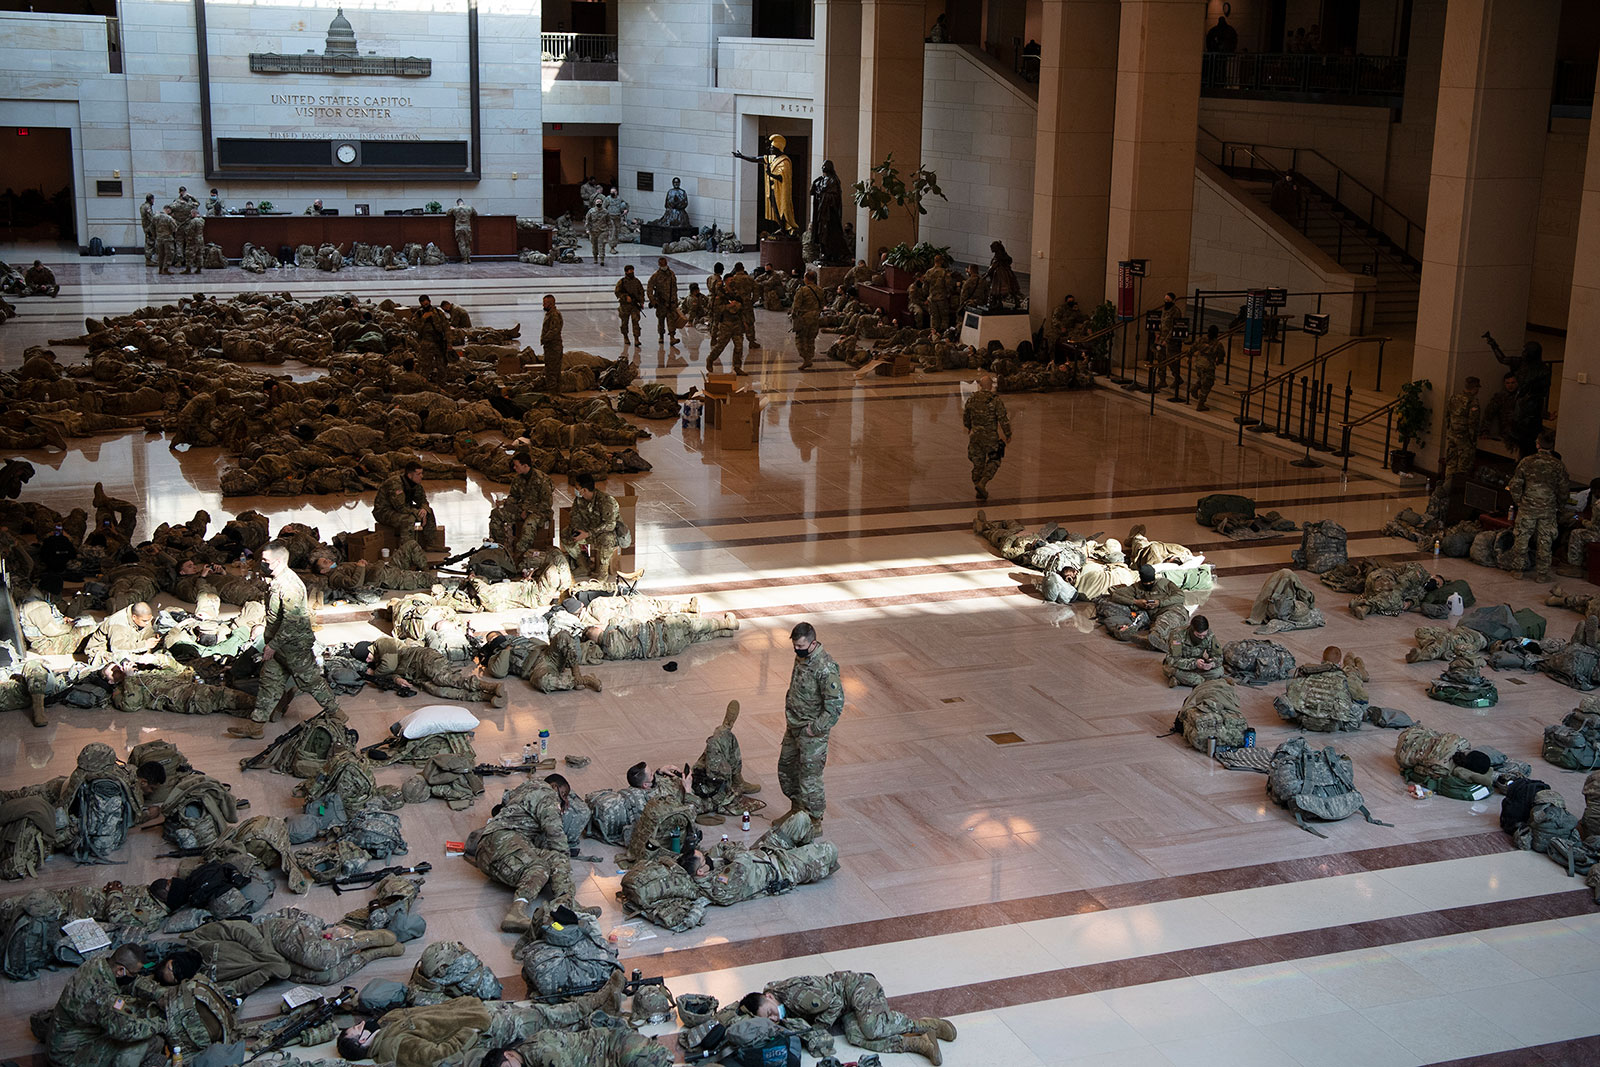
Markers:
point(745, 821)
point(544, 743)
point(1250, 738)
point(527, 752)
point(1435, 548)
point(177, 1056)
point(1511, 513)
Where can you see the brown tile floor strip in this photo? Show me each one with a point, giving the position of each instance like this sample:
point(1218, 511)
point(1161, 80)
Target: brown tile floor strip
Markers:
point(1577, 1052)
point(1076, 902)
point(1117, 974)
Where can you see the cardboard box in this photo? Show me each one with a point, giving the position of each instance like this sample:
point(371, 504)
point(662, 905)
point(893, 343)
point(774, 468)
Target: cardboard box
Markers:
point(740, 421)
point(506, 366)
point(364, 544)
point(721, 384)
point(628, 513)
point(898, 367)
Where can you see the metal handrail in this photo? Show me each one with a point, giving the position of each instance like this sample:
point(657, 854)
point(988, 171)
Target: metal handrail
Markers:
point(1348, 425)
point(578, 47)
point(1342, 178)
point(1356, 79)
point(1316, 397)
point(1321, 357)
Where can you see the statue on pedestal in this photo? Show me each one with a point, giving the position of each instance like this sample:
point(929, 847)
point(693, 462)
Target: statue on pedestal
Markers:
point(1003, 288)
point(778, 173)
point(677, 214)
point(827, 218)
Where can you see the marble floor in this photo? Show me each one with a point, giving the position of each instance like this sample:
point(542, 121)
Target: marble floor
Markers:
point(1092, 894)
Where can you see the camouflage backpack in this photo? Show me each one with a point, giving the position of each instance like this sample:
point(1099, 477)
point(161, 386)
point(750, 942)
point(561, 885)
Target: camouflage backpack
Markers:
point(197, 812)
point(160, 751)
point(199, 1015)
point(1424, 754)
point(345, 675)
point(31, 941)
point(584, 961)
point(305, 748)
point(101, 804)
point(397, 748)
point(613, 813)
point(376, 832)
point(659, 890)
point(1253, 661)
point(1211, 712)
point(449, 969)
point(1321, 785)
point(1322, 546)
point(348, 773)
point(666, 815)
point(28, 829)
point(327, 861)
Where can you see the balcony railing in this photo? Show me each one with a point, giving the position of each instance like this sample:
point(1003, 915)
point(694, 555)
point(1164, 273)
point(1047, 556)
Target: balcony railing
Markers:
point(578, 47)
point(1379, 81)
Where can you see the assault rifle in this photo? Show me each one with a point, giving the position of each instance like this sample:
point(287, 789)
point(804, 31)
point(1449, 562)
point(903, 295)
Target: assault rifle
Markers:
point(635, 982)
point(303, 1018)
point(501, 770)
point(367, 879)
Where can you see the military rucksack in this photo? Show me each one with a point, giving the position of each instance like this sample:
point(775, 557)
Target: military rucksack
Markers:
point(613, 813)
point(1211, 712)
point(199, 1015)
point(85, 695)
point(327, 861)
point(1322, 546)
point(376, 832)
point(31, 940)
point(306, 747)
point(1518, 803)
point(1548, 821)
point(159, 751)
point(448, 969)
point(101, 805)
point(1254, 661)
point(1208, 507)
point(1318, 698)
point(345, 675)
point(348, 773)
point(453, 779)
point(655, 889)
point(1315, 784)
point(584, 963)
point(666, 815)
point(28, 829)
point(197, 812)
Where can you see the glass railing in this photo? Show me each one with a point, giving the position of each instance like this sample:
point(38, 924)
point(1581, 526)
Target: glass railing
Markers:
point(1376, 80)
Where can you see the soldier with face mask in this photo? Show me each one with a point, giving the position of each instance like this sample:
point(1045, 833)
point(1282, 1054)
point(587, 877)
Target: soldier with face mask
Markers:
point(811, 708)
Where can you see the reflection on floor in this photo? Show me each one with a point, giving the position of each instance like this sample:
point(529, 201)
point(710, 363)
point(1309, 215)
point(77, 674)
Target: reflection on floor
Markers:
point(1094, 894)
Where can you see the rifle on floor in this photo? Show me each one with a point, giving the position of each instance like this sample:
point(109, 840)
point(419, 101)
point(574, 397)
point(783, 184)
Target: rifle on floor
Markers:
point(635, 983)
point(306, 1017)
point(501, 770)
point(367, 879)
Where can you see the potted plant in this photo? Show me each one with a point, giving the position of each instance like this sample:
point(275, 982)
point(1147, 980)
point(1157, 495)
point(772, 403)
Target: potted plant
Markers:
point(433, 207)
point(905, 261)
point(884, 189)
point(264, 206)
point(1411, 418)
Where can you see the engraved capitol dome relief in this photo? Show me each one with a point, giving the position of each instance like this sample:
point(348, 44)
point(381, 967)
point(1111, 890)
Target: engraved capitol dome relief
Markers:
point(340, 56)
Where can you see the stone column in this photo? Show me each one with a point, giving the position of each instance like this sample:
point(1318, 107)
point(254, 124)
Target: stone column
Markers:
point(1072, 155)
point(1152, 158)
point(836, 128)
point(890, 110)
point(1483, 199)
point(1578, 428)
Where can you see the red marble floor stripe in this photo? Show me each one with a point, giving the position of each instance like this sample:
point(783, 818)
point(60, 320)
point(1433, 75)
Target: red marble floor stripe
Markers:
point(1576, 1052)
point(1026, 909)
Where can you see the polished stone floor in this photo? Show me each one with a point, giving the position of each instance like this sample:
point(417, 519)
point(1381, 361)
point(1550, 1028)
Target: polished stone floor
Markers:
point(1092, 894)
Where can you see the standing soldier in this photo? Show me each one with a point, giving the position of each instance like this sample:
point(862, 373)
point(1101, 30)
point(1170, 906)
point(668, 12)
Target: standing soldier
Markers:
point(1167, 346)
point(433, 338)
point(1463, 422)
point(1206, 357)
point(596, 225)
point(194, 243)
point(461, 217)
point(727, 324)
point(184, 208)
point(806, 314)
point(974, 288)
point(663, 291)
point(630, 303)
point(289, 658)
point(714, 285)
point(988, 433)
point(616, 208)
point(147, 218)
point(1538, 486)
point(550, 341)
point(741, 287)
point(811, 707)
point(165, 229)
point(527, 505)
point(939, 290)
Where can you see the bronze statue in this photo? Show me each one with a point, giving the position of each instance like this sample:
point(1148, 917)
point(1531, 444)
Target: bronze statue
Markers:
point(778, 172)
point(827, 218)
point(677, 205)
point(1003, 288)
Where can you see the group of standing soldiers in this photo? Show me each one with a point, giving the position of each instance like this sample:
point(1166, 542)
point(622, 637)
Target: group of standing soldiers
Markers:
point(174, 234)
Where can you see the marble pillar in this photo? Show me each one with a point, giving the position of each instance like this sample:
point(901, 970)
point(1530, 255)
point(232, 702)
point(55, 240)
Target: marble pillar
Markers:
point(1072, 157)
point(1483, 198)
point(1152, 158)
point(890, 111)
point(1578, 427)
point(836, 129)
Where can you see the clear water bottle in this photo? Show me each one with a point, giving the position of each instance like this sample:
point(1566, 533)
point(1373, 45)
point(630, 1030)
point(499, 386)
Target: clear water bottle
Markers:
point(527, 752)
point(544, 743)
point(1436, 548)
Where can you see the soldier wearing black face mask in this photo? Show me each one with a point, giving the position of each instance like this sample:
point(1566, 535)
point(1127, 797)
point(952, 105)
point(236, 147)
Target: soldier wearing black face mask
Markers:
point(811, 708)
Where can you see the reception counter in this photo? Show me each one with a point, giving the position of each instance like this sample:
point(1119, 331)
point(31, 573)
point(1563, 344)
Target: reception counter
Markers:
point(492, 235)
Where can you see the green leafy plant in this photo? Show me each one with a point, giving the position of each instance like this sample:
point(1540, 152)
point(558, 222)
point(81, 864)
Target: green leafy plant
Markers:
point(1412, 414)
point(264, 206)
point(885, 189)
point(433, 207)
point(915, 258)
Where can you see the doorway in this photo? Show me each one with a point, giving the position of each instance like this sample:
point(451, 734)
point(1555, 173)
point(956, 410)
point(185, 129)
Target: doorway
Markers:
point(36, 184)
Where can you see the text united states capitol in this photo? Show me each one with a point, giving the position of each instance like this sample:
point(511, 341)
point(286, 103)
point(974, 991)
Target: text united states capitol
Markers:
point(349, 107)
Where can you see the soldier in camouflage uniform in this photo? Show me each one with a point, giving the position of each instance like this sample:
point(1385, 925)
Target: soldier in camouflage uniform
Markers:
point(184, 208)
point(597, 224)
point(1168, 346)
point(194, 243)
point(147, 218)
point(1390, 590)
point(49, 633)
point(432, 332)
point(95, 1025)
point(1539, 486)
point(728, 873)
point(939, 291)
point(1194, 656)
point(741, 287)
point(426, 1035)
point(289, 658)
point(1458, 443)
point(666, 635)
point(515, 522)
point(550, 342)
point(719, 784)
point(988, 433)
point(428, 669)
point(603, 1047)
point(857, 1002)
point(811, 708)
point(663, 292)
point(1325, 696)
point(630, 303)
point(524, 846)
point(461, 217)
point(592, 522)
point(727, 324)
point(1204, 363)
point(806, 314)
point(1284, 603)
point(176, 690)
point(165, 230)
point(402, 502)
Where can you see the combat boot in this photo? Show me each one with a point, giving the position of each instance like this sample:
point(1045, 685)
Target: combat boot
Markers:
point(746, 788)
point(709, 818)
point(1358, 610)
point(943, 1029)
point(516, 920)
point(588, 681)
point(496, 693)
point(922, 1045)
point(38, 710)
point(370, 939)
point(251, 730)
point(1557, 598)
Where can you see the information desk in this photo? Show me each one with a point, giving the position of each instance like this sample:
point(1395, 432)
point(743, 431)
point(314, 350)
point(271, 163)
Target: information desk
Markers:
point(492, 235)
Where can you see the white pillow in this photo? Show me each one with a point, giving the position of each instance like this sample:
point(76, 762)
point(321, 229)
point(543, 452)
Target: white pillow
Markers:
point(437, 719)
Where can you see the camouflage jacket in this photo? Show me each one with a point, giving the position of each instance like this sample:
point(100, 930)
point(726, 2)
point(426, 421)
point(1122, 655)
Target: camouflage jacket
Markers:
point(985, 416)
point(531, 811)
point(93, 1018)
point(393, 507)
point(1463, 418)
point(663, 288)
point(550, 330)
point(807, 302)
point(629, 292)
point(288, 619)
point(593, 516)
point(1540, 483)
point(819, 998)
point(532, 494)
point(816, 697)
